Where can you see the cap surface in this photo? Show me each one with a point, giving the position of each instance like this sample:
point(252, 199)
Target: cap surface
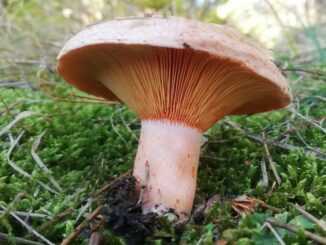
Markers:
point(100, 58)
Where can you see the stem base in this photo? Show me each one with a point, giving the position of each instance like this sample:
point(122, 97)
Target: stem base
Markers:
point(166, 165)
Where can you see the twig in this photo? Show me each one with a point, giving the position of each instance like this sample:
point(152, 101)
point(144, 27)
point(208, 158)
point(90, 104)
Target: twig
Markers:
point(11, 138)
point(96, 226)
point(24, 61)
point(28, 215)
point(46, 211)
point(309, 216)
point(317, 73)
point(106, 187)
point(203, 209)
point(81, 226)
point(304, 142)
point(307, 120)
point(89, 98)
point(235, 126)
point(285, 146)
point(38, 160)
point(267, 195)
point(274, 209)
point(29, 228)
point(13, 84)
point(319, 155)
point(279, 239)
point(201, 239)
point(270, 160)
point(264, 171)
point(310, 235)
point(18, 240)
point(321, 98)
point(95, 239)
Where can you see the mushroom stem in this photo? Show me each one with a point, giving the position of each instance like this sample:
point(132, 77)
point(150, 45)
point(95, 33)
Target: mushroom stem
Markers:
point(166, 165)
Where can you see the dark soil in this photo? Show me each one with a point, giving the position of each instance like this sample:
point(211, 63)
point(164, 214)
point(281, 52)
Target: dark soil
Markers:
point(123, 214)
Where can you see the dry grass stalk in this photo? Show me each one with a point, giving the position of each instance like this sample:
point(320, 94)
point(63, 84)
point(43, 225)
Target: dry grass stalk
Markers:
point(277, 236)
point(29, 228)
point(39, 161)
point(310, 235)
point(6, 238)
point(270, 161)
point(309, 216)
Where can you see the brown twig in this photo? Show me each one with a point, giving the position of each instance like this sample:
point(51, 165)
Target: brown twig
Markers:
point(81, 226)
point(106, 187)
point(95, 239)
point(274, 209)
point(202, 211)
point(310, 235)
point(99, 224)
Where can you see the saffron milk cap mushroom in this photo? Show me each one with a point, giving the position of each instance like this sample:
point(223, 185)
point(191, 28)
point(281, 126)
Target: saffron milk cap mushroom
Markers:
point(179, 76)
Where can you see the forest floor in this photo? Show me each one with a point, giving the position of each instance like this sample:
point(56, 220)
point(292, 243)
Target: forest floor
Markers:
point(259, 176)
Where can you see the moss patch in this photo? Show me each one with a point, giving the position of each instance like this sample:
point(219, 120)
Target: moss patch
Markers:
point(87, 145)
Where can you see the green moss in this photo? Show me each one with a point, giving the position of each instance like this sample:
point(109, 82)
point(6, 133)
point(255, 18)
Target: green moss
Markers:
point(83, 152)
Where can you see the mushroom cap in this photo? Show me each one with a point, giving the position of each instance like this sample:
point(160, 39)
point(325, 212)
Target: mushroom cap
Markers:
point(96, 61)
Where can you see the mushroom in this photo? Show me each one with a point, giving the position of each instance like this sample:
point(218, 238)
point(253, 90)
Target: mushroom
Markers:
point(179, 77)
